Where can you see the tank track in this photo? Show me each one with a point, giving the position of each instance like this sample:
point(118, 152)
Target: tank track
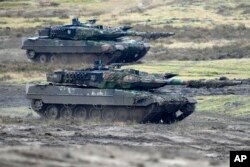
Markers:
point(149, 114)
point(44, 58)
point(107, 58)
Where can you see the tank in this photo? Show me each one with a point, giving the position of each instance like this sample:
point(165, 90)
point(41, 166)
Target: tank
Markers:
point(109, 94)
point(88, 42)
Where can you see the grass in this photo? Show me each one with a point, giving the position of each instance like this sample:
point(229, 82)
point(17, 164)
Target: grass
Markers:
point(187, 70)
point(113, 12)
point(232, 68)
point(30, 22)
point(234, 105)
point(14, 4)
point(16, 112)
point(194, 45)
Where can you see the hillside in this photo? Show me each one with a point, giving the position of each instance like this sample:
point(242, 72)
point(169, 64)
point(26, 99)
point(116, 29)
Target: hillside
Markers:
point(215, 29)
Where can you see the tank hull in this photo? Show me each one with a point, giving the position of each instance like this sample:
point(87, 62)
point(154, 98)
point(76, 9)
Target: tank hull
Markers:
point(108, 104)
point(44, 50)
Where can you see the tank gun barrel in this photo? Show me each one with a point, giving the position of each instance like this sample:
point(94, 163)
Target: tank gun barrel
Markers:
point(203, 83)
point(154, 35)
point(211, 83)
point(82, 33)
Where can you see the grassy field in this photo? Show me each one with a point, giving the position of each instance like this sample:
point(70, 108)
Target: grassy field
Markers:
point(215, 29)
point(180, 13)
point(232, 68)
point(233, 105)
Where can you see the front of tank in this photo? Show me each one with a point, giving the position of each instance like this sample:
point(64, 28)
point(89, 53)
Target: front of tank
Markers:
point(133, 50)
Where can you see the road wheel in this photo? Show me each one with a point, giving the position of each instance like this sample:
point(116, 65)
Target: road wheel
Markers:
point(96, 114)
point(122, 114)
point(80, 112)
point(138, 114)
point(31, 54)
point(66, 112)
point(52, 112)
point(43, 58)
point(53, 59)
point(108, 115)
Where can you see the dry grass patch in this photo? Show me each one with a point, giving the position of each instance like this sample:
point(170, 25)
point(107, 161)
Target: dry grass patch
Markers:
point(226, 104)
point(232, 68)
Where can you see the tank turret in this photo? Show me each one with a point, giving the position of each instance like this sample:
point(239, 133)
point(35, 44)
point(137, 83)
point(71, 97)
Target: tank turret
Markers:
point(101, 33)
point(76, 22)
point(111, 78)
point(91, 31)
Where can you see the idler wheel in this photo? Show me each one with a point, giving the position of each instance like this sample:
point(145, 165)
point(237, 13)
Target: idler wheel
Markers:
point(186, 110)
point(66, 112)
point(52, 112)
point(108, 115)
point(169, 118)
point(31, 54)
point(43, 58)
point(80, 112)
point(36, 105)
point(179, 114)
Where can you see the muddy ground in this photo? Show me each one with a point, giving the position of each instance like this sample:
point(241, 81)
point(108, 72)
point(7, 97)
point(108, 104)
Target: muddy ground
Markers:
point(203, 139)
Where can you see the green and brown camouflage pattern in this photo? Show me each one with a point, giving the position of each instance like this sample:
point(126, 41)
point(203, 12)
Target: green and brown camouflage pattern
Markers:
point(109, 94)
point(85, 33)
point(112, 78)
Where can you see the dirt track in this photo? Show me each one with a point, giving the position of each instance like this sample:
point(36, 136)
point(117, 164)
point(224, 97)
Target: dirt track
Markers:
point(202, 136)
point(203, 139)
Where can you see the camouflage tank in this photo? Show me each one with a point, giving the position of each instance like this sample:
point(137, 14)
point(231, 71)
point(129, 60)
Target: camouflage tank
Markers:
point(109, 94)
point(89, 42)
